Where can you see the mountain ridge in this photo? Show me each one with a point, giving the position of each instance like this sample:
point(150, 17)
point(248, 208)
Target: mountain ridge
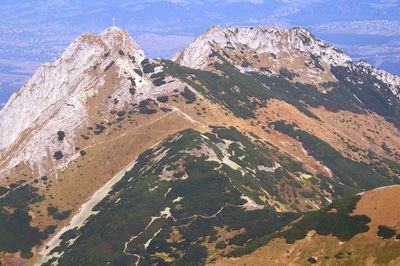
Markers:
point(263, 40)
point(62, 87)
point(259, 136)
point(251, 49)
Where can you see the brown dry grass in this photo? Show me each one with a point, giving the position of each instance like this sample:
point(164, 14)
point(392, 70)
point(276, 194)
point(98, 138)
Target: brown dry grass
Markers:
point(363, 249)
point(382, 205)
point(364, 131)
point(83, 176)
point(111, 151)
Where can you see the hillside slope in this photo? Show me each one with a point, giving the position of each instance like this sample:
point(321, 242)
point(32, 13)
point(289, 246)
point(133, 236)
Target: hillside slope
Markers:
point(251, 139)
point(376, 246)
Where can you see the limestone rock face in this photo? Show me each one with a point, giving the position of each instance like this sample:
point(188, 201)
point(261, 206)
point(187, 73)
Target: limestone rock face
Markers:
point(261, 40)
point(269, 49)
point(55, 98)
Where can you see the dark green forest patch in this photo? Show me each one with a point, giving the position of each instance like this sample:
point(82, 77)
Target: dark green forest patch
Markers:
point(243, 93)
point(385, 232)
point(351, 173)
point(16, 233)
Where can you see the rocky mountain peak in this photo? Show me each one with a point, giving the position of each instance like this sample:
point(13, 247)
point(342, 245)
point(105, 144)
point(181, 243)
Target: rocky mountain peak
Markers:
point(115, 37)
point(108, 44)
point(273, 42)
point(56, 97)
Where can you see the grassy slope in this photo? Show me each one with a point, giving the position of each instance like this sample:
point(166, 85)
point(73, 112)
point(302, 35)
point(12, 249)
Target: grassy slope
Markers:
point(203, 196)
point(243, 92)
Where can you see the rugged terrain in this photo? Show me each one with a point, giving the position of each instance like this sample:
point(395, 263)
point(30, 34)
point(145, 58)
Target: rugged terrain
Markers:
point(250, 143)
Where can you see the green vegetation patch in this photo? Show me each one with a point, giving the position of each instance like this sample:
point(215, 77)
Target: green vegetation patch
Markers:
point(287, 74)
point(243, 93)
point(369, 92)
point(162, 99)
point(148, 66)
point(158, 79)
point(271, 170)
point(60, 135)
point(222, 89)
point(132, 80)
point(58, 155)
point(145, 107)
point(56, 214)
point(176, 188)
point(132, 91)
point(16, 232)
point(385, 232)
point(351, 173)
point(3, 190)
point(99, 129)
point(208, 197)
point(188, 95)
point(334, 220)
